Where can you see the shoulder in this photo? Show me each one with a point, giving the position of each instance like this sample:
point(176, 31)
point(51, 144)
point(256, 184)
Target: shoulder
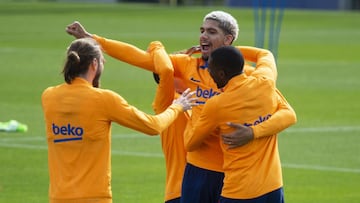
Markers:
point(51, 90)
point(109, 96)
point(105, 92)
point(183, 59)
point(184, 64)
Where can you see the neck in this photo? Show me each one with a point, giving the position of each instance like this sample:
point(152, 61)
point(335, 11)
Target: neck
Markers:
point(88, 77)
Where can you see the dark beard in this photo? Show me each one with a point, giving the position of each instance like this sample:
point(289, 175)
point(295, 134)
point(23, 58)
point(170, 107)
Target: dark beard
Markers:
point(96, 81)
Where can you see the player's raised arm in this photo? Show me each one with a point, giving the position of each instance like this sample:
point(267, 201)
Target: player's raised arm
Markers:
point(119, 50)
point(165, 91)
point(77, 30)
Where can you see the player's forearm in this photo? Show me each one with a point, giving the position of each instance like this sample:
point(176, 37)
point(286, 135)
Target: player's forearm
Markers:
point(165, 90)
point(197, 133)
point(152, 124)
point(279, 121)
point(162, 63)
point(190, 141)
point(168, 116)
point(163, 99)
point(126, 52)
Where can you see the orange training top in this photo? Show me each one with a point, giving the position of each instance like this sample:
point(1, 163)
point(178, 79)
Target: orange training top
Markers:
point(78, 128)
point(253, 169)
point(193, 71)
point(172, 139)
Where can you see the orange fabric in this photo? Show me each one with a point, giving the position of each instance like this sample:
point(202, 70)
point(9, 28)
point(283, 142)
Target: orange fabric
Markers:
point(193, 72)
point(78, 128)
point(195, 75)
point(172, 138)
point(253, 169)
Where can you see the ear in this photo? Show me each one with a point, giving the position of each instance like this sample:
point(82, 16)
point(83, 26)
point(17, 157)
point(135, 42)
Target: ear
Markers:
point(228, 39)
point(94, 64)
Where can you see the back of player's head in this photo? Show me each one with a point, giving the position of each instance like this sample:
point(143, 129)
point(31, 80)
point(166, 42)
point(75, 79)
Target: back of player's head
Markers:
point(226, 22)
point(229, 59)
point(80, 55)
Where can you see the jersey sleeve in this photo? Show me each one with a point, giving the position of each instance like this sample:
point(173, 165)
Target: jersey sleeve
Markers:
point(283, 118)
point(137, 57)
point(264, 59)
point(203, 127)
point(126, 52)
point(121, 112)
point(165, 90)
point(265, 65)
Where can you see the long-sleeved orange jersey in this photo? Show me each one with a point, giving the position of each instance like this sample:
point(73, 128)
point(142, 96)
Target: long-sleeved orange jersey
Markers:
point(253, 169)
point(193, 72)
point(172, 139)
point(78, 127)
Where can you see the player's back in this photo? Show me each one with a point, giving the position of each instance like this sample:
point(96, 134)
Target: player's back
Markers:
point(249, 101)
point(78, 142)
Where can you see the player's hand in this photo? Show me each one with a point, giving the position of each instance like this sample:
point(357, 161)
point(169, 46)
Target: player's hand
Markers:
point(77, 30)
point(186, 100)
point(239, 137)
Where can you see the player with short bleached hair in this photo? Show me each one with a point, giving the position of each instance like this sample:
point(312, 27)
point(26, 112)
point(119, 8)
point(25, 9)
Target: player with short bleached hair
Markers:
point(226, 21)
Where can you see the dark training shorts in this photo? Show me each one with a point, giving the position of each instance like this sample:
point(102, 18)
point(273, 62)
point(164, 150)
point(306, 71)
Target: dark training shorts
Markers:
point(177, 200)
point(276, 196)
point(201, 185)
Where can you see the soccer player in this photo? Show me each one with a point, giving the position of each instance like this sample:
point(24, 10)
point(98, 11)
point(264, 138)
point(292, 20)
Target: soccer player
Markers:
point(172, 139)
point(253, 171)
point(78, 118)
point(203, 177)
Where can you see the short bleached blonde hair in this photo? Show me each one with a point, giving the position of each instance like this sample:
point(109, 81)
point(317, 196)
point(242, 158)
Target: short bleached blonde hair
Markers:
point(226, 22)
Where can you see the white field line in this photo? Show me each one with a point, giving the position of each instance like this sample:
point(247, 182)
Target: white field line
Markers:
point(143, 136)
point(159, 155)
point(9, 143)
point(114, 152)
point(320, 168)
point(324, 129)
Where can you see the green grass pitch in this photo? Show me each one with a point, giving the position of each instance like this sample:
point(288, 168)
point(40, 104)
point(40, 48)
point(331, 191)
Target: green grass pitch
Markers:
point(318, 64)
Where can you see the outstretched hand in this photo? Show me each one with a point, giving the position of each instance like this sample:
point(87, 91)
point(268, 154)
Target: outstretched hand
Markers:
point(77, 30)
point(186, 100)
point(239, 137)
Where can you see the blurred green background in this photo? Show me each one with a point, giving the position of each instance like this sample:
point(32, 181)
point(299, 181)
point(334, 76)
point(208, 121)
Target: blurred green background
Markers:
point(318, 65)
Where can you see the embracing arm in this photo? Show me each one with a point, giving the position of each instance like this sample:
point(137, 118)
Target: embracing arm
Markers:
point(131, 117)
point(264, 59)
point(202, 128)
point(119, 111)
point(283, 118)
